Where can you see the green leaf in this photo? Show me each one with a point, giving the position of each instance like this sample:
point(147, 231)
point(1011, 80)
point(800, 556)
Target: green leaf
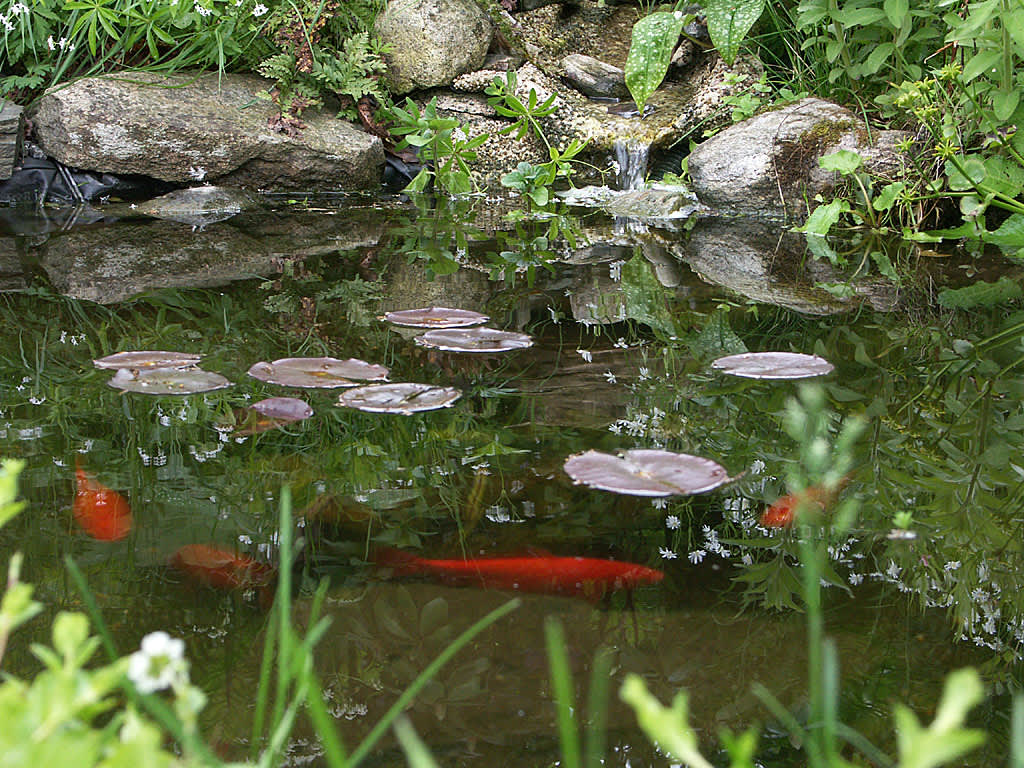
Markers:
point(1004, 104)
point(1010, 234)
point(970, 174)
point(878, 57)
point(981, 62)
point(729, 21)
point(885, 266)
point(898, 12)
point(824, 217)
point(844, 161)
point(888, 196)
point(650, 52)
point(980, 294)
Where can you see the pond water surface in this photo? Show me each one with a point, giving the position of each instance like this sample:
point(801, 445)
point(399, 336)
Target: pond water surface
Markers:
point(626, 319)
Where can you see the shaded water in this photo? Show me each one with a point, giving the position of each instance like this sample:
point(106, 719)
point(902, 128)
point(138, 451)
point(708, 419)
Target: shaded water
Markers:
point(625, 324)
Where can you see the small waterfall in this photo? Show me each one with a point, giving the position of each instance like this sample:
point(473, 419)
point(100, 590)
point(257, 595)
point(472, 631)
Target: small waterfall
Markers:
point(631, 155)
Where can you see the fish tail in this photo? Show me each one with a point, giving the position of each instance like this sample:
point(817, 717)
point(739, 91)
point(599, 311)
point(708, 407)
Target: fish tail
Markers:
point(400, 561)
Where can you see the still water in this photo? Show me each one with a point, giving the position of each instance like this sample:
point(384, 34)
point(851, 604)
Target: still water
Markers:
point(626, 316)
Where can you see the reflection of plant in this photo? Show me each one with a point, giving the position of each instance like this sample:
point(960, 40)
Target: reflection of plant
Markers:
point(823, 463)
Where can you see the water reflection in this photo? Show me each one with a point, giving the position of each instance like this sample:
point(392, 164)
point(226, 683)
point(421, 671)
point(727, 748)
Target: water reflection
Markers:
point(625, 327)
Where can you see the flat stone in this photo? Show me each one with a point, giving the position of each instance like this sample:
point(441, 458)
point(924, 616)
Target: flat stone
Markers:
point(12, 131)
point(592, 77)
point(192, 127)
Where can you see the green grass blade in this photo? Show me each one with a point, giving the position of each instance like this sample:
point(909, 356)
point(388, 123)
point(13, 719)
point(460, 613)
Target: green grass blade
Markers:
point(323, 724)
point(596, 735)
point(416, 752)
point(561, 685)
point(92, 608)
point(1017, 732)
point(283, 606)
point(263, 689)
point(424, 677)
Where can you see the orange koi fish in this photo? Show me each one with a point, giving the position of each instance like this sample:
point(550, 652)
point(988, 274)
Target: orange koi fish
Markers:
point(220, 568)
point(103, 513)
point(817, 498)
point(549, 574)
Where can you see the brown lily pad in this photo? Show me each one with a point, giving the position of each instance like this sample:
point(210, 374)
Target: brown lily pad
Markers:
point(474, 340)
point(270, 414)
point(773, 365)
point(167, 381)
point(147, 359)
point(646, 472)
point(317, 372)
point(436, 317)
point(404, 397)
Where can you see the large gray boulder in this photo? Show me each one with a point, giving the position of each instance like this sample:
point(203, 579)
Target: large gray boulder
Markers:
point(768, 165)
point(432, 41)
point(200, 127)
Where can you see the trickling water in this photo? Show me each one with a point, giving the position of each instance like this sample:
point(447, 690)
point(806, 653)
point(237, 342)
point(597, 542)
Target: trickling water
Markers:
point(631, 156)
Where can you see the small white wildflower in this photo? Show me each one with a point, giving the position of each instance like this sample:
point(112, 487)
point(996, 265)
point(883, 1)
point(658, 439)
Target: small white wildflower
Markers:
point(615, 270)
point(159, 664)
point(50, 44)
point(259, 9)
point(615, 429)
point(667, 553)
point(554, 315)
point(673, 523)
point(37, 400)
point(197, 172)
point(610, 377)
point(757, 467)
point(621, 344)
point(19, 8)
point(697, 555)
point(856, 578)
point(6, 21)
point(747, 559)
point(952, 565)
point(201, 10)
point(893, 571)
point(586, 355)
point(659, 502)
point(645, 373)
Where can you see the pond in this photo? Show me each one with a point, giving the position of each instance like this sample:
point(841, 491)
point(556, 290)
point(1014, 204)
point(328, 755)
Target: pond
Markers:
point(625, 318)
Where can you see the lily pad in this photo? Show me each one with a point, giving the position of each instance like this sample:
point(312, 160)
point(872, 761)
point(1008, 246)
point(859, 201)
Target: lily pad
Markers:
point(406, 397)
point(773, 365)
point(646, 472)
point(318, 372)
point(167, 381)
point(436, 317)
point(147, 359)
point(269, 414)
point(474, 340)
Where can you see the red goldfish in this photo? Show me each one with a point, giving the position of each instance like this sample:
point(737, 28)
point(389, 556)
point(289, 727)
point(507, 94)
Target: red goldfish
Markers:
point(578, 576)
point(220, 568)
point(103, 513)
point(816, 498)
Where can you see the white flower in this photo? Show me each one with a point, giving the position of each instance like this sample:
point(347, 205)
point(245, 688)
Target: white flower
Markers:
point(615, 270)
point(747, 559)
point(621, 343)
point(952, 565)
point(259, 9)
point(6, 21)
point(645, 373)
point(667, 553)
point(159, 664)
point(697, 555)
point(586, 355)
point(51, 45)
point(19, 8)
point(610, 377)
point(201, 10)
point(673, 523)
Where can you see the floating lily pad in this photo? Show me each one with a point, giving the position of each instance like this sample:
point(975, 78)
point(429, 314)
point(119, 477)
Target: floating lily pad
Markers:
point(474, 340)
point(167, 381)
point(147, 359)
point(773, 365)
point(436, 317)
point(399, 398)
point(646, 473)
point(319, 372)
point(269, 414)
